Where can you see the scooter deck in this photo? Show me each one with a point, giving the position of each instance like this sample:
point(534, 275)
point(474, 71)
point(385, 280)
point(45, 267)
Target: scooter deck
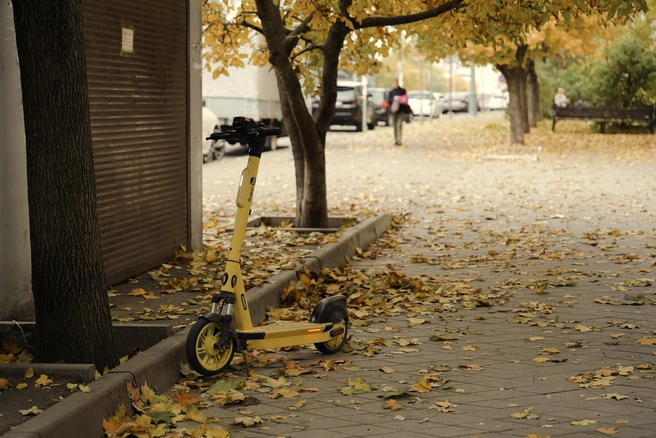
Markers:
point(287, 333)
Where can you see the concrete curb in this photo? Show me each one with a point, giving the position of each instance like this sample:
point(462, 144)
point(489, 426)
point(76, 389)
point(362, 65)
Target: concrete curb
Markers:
point(81, 414)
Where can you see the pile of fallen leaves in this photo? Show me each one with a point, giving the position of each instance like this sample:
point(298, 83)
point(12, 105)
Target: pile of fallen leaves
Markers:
point(378, 294)
point(12, 351)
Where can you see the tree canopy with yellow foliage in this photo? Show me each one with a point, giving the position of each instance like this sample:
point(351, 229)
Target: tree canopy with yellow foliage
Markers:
point(514, 55)
point(308, 41)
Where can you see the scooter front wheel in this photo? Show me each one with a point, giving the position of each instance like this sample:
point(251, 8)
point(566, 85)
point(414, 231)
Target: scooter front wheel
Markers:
point(337, 315)
point(202, 350)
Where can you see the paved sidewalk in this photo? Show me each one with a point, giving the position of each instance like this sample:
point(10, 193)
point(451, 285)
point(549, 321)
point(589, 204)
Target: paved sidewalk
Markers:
point(525, 309)
point(563, 363)
point(562, 251)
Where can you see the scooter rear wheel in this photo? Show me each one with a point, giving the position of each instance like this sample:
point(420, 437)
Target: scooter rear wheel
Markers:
point(337, 315)
point(201, 348)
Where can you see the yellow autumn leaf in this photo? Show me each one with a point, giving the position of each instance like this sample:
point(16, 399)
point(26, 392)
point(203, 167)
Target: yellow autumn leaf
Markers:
point(110, 426)
point(646, 340)
point(608, 430)
point(416, 321)
point(392, 405)
point(217, 432)
point(469, 348)
point(21, 386)
point(29, 373)
point(284, 393)
point(4, 384)
point(387, 370)
point(540, 360)
point(138, 292)
point(299, 404)
point(33, 410)
point(615, 396)
point(43, 380)
point(194, 414)
point(354, 387)
point(149, 396)
point(247, 421)
point(422, 385)
point(583, 422)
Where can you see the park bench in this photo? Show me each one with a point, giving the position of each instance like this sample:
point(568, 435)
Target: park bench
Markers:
point(602, 115)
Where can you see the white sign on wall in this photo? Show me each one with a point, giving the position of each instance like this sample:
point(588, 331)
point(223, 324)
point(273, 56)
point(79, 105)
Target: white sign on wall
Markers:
point(127, 40)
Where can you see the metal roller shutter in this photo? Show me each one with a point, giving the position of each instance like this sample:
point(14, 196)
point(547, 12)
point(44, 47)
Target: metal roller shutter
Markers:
point(139, 122)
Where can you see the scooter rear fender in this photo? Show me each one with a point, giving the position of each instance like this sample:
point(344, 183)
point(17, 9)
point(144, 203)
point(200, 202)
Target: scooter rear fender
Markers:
point(324, 306)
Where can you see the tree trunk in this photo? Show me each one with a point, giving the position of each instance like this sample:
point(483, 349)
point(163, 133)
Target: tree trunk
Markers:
point(297, 146)
point(523, 99)
point(73, 320)
point(307, 134)
point(533, 92)
point(514, 77)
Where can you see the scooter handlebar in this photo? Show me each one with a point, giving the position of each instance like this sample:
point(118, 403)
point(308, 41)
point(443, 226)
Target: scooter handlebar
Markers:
point(242, 129)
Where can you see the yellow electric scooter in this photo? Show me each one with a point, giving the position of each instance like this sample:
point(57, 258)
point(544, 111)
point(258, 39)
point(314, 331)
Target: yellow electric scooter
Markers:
point(214, 338)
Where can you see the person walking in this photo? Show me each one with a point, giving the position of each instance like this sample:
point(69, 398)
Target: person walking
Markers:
point(398, 101)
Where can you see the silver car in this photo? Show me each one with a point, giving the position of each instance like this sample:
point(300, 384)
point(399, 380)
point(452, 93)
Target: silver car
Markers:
point(456, 102)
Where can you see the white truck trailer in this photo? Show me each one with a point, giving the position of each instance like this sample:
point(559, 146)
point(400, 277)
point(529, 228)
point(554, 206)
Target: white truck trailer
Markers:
point(250, 92)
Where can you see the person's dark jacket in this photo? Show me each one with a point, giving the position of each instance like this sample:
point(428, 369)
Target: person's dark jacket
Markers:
point(398, 92)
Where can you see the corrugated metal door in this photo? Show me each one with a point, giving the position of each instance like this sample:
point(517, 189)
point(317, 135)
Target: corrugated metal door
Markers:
point(139, 126)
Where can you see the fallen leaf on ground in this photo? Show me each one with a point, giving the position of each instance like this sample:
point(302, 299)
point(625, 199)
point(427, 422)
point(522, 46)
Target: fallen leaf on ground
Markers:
point(392, 405)
point(646, 340)
point(356, 387)
point(583, 422)
point(247, 421)
point(33, 410)
point(608, 430)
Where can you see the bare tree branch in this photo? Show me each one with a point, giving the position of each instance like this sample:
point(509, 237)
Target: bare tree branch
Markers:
point(308, 49)
point(303, 27)
point(252, 26)
point(412, 18)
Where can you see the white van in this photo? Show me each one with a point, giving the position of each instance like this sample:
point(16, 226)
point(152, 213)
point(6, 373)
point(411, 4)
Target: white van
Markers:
point(213, 150)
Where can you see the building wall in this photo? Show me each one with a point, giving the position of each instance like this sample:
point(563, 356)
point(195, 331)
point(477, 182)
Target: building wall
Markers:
point(146, 128)
point(137, 71)
point(15, 260)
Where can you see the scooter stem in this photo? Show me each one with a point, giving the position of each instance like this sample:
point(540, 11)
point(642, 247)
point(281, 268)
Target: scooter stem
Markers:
point(232, 279)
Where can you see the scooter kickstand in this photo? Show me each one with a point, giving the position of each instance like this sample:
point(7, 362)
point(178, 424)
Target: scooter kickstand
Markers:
point(248, 369)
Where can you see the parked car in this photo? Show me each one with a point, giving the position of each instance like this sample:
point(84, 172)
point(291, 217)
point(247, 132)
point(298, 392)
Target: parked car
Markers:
point(439, 97)
point(379, 96)
point(456, 102)
point(213, 150)
point(423, 103)
point(348, 107)
point(497, 102)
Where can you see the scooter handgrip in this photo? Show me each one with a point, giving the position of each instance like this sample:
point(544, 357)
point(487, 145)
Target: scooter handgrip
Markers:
point(218, 136)
point(265, 132)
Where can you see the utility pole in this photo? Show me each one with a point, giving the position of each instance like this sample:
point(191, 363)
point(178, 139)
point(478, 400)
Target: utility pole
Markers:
point(473, 105)
point(421, 90)
point(430, 89)
point(450, 86)
point(365, 98)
